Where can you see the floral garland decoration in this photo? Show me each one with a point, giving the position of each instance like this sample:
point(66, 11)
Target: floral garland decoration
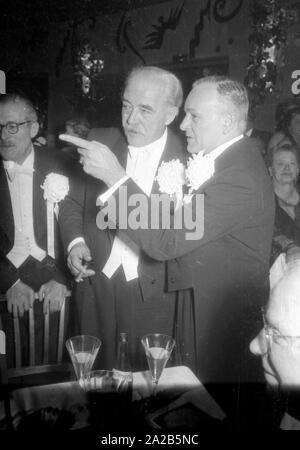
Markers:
point(88, 66)
point(268, 39)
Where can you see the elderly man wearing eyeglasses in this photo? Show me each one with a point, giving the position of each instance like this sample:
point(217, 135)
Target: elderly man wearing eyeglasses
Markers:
point(26, 267)
point(278, 343)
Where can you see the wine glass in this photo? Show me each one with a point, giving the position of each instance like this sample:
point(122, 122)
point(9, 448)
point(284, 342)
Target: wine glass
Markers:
point(158, 348)
point(83, 351)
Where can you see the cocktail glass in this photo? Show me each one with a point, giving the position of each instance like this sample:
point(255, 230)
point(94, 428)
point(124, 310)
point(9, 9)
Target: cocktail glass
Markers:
point(83, 351)
point(158, 348)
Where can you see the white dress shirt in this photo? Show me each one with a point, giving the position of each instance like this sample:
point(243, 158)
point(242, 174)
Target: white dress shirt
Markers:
point(142, 165)
point(206, 162)
point(20, 183)
point(219, 150)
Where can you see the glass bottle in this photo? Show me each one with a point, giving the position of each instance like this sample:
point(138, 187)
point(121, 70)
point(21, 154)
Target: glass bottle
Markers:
point(123, 363)
point(123, 371)
point(123, 358)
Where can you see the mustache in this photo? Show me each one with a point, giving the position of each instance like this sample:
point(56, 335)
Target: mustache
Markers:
point(6, 144)
point(130, 130)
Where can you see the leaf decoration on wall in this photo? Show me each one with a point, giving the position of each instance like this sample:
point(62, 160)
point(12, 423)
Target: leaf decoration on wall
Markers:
point(129, 43)
point(198, 28)
point(120, 47)
point(122, 32)
point(219, 14)
point(220, 5)
point(155, 38)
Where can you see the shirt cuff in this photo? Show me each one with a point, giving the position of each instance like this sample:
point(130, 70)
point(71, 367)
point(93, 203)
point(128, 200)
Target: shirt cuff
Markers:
point(74, 242)
point(16, 282)
point(103, 198)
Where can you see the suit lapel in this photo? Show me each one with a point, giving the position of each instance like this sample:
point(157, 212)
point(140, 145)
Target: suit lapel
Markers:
point(172, 150)
point(226, 160)
point(38, 203)
point(6, 216)
point(120, 149)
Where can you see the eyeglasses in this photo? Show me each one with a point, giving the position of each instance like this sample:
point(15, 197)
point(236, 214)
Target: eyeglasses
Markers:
point(271, 335)
point(12, 127)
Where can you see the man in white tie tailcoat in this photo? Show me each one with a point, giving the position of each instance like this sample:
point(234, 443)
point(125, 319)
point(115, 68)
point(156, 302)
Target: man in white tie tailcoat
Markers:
point(127, 292)
point(27, 270)
point(220, 276)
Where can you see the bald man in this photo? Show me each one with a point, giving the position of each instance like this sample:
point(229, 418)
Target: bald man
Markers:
point(278, 343)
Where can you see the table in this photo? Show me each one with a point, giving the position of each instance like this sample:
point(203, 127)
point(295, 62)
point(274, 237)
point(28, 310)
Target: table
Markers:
point(179, 383)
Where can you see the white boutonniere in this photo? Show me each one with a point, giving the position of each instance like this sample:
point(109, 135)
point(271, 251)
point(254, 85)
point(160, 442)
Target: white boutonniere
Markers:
point(171, 178)
point(199, 170)
point(55, 187)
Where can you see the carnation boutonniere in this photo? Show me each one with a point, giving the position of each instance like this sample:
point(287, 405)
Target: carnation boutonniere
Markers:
point(55, 187)
point(199, 169)
point(171, 178)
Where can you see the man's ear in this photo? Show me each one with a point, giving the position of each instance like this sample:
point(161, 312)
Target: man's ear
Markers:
point(34, 129)
point(171, 114)
point(270, 171)
point(228, 121)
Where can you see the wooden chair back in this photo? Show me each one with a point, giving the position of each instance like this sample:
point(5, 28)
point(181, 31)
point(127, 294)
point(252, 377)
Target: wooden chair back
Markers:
point(3, 371)
point(22, 374)
point(4, 393)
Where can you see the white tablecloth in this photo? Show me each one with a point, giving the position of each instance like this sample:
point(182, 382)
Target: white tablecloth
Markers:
point(179, 382)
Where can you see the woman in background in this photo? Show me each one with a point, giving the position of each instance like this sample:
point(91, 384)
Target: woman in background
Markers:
point(284, 170)
point(288, 126)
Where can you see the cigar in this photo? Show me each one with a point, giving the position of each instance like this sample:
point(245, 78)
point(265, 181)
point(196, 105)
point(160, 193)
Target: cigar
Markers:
point(79, 277)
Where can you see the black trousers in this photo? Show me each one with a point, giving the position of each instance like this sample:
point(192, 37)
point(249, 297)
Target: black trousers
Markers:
point(138, 317)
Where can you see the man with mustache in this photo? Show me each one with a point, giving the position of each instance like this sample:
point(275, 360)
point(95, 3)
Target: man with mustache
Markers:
point(220, 279)
point(23, 217)
point(127, 294)
point(278, 343)
point(26, 270)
